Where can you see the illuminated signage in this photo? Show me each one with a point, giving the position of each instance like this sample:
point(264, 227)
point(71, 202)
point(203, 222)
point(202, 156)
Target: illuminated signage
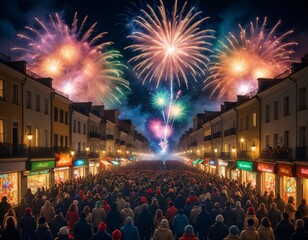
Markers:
point(222, 163)
point(285, 170)
point(263, 167)
point(39, 172)
point(302, 171)
point(80, 162)
point(212, 162)
point(247, 166)
point(196, 161)
point(42, 165)
point(64, 160)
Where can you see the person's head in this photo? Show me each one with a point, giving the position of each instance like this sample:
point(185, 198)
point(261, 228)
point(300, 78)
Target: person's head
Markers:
point(127, 205)
point(233, 230)
point(58, 211)
point(11, 212)
point(144, 207)
point(274, 205)
point(86, 209)
point(4, 198)
point(181, 211)
point(64, 231)
point(303, 201)
point(285, 215)
point(159, 213)
point(227, 204)
point(129, 220)
point(265, 222)
point(83, 215)
point(72, 207)
point(250, 222)
point(219, 218)
point(10, 221)
point(98, 203)
point(154, 201)
point(291, 199)
point(262, 206)
point(238, 204)
point(299, 224)
point(171, 204)
point(250, 211)
point(114, 205)
point(28, 211)
point(164, 223)
point(217, 205)
point(116, 234)
point(42, 220)
point(189, 229)
point(47, 203)
point(102, 226)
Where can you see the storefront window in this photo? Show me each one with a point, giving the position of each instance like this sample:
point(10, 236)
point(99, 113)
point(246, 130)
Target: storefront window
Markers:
point(222, 171)
point(234, 174)
point(36, 181)
point(9, 187)
point(269, 182)
point(79, 172)
point(251, 178)
point(305, 188)
point(61, 174)
point(289, 187)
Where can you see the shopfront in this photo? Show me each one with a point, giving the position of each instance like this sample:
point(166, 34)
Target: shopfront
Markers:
point(80, 166)
point(287, 181)
point(213, 166)
point(104, 164)
point(232, 171)
point(94, 167)
point(205, 166)
point(39, 175)
point(302, 172)
point(247, 174)
point(222, 167)
point(62, 170)
point(268, 177)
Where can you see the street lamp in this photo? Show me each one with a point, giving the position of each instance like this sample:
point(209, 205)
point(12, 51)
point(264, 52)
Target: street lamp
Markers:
point(233, 151)
point(72, 153)
point(87, 149)
point(29, 136)
point(253, 148)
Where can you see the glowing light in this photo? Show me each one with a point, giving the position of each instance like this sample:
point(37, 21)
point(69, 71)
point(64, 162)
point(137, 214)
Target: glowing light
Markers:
point(63, 52)
point(246, 57)
point(178, 111)
point(160, 99)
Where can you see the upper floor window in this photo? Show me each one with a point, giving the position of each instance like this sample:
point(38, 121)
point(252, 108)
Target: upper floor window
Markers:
point(1, 130)
point(254, 120)
point(56, 114)
point(46, 106)
point(78, 126)
point(74, 126)
point(66, 118)
point(275, 110)
point(28, 99)
point(61, 116)
point(241, 124)
point(15, 94)
point(1, 89)
point(55, 140)
point(267, 113)
point(286, 106)
point(302, 98)
point(84, 129)
point(38, 103)
point(246, 122)
point(36, 137)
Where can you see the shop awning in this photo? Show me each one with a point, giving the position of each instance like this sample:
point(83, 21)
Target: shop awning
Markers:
point(231, 165)
point(105, 162)
point(196, 161)
point(201, 161)
point(114, 162)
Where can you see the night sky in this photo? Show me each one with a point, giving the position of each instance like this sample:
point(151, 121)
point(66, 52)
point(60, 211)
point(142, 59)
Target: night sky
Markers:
point(113, 16)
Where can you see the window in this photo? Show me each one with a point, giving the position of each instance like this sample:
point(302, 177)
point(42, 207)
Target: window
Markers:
point(84, 129)
point(36, 137)
point(246, 122)
point(241, 124)
point(56, 114)
point(15, 92)
point(267, 141)
point(28, 99)
point(1, 130)
point(267, 113)
point(275, 110)
point(61, 141)
point(286, 106)
point(1, 89)
point(79, 127)
point(46, 138)
point(79, 146)
point(66, 141)
point(61, 116)
point(46, 106)
point(38, 103)
point(66, 118)
point(302, 136)
point(286, 138)
point(254, 120)
point(275, 140)
point(302, 98)
point(55, 139)
point(74, 126)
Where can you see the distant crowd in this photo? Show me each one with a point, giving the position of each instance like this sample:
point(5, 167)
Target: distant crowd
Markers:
point(153, 200)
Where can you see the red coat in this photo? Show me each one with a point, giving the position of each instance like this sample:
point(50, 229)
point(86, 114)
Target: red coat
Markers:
point(170, 214)
point(189, 236)
point(72, 218)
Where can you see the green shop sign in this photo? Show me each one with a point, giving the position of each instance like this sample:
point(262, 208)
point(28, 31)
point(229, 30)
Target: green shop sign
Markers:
point(247, 166)
point(196, 161)
point(38, 172)
point(42, 165)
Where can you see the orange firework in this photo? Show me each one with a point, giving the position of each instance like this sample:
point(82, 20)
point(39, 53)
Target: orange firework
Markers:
point(242, 60)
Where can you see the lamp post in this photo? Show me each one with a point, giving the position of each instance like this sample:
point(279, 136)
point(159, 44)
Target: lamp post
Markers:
point(253, 149)
point(233, 151)
point(72, 153)
point(29, 136)
point(215, 151)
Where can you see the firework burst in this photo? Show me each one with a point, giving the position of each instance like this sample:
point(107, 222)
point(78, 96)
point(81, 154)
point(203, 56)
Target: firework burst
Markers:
point(80, 64)
point(244, 58)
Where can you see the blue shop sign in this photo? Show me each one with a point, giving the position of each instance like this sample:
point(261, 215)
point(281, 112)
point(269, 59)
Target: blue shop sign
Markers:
point(212, 162)
point(80, 162)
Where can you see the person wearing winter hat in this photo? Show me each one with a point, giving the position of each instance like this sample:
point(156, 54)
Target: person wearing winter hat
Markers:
point(219, 230)
point(163, 231)
point(101, 234)
point(27, 225)
point(42, 231)
point(126, 212)
point(82, 229)
point(189, 233)
point(250, 232)
point(116, 235)
point(233, 233)
point(63, 234)
point(129, 231)
point(98, 215)
point(58, 222)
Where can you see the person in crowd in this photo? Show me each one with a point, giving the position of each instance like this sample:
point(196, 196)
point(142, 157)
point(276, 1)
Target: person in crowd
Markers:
point(48, 212)
point(37, 203)
point(42, 231)
point(98, 215)
point(27, 225)
point(171, 213)
point(29, 196)
point(305, 219)
point(116, 235)
point(158, 218)
point(86, 209)
point(251, 215)
point(126, 212)
point(274, 215)
point(163, 231)
point(290, 209)
point(161, 199)
point(250, 233)
point(4, 208)
point(302, 210)
point(113, 219)
point(10, 231)
point(63, 234)
point(192, 197)
point(233, 233)
point(195, 211)
point(179, 223)
point(280, 202)
point(101, 233)
point(120, 201)
point(300, 232)
point(228, 214)
point(153, 207)
point(72, 217)
point(265, 231)
point(58, 222)
point(216, 210)
point(261, 212)
point(189, 233)
point(219, 230)
point(10, 213)
point(82, 229)
point(284, 229)
point(203, 223)
point(20, 210)
point(239, 215)
point(188, 207)
point(129, 231)
point(180, 201)
point(144, 223)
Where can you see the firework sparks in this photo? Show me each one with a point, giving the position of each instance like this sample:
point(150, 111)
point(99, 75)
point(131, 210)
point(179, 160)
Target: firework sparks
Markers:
point(242, 60)
point(80, 64)
point(160, 99)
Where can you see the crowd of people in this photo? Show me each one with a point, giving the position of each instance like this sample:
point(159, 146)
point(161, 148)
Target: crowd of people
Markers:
point(150, 200)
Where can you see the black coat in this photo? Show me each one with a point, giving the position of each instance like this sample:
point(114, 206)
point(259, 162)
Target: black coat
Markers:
point(101, 235)
point(10, 233)
point(229, 216)
point(284, 230)
point(27, 227)
point(218, 231)
point(82, 230)
point(274, 215)
point(204, 222)
point(42, 233)
point(57, 223)
point(299, 234)
point(113, 220)
point(144, 221)
point(4, 208)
